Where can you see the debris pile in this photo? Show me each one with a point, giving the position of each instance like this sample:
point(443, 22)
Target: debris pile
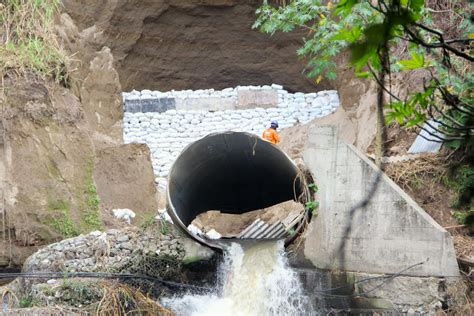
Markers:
point(277, 221)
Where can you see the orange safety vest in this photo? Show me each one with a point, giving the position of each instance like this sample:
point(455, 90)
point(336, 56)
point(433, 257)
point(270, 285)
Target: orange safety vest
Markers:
point(271, 135)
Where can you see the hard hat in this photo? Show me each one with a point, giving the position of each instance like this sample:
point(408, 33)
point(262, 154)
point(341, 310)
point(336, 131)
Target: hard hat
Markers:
point(275, 123)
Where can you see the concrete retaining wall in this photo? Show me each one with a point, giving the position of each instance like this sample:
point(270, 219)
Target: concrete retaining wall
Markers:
point(387, 235)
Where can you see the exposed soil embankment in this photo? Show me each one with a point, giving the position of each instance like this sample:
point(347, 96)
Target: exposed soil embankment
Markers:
point(168, 45)
point(52, 183)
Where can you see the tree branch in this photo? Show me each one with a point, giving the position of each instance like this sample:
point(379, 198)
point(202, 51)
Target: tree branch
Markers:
point(380, 83)
point(445, 133)
point(431, 140)
point(430, 133)
point(442, 44)
point(443, 139)
point(449, 118)
point(459, 40)
point(448, 98)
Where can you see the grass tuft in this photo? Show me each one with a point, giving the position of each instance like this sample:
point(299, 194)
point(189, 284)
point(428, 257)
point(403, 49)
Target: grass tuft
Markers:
point(28, 42)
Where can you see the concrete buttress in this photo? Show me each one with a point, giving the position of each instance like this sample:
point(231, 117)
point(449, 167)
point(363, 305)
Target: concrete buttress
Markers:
point(388, 234)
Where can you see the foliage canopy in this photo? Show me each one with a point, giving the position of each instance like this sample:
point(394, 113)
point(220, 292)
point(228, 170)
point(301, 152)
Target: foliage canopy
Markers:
point(388, 36)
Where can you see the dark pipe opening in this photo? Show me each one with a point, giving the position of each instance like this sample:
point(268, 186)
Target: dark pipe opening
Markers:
point(231, 172)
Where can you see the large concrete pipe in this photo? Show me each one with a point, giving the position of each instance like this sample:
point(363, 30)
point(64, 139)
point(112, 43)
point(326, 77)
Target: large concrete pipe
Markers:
point(231, 172)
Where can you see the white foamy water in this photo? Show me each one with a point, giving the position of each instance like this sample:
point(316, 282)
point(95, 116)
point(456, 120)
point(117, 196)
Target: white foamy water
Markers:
point(254, 280)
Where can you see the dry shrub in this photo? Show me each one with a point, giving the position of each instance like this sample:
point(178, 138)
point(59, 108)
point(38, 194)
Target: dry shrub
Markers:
point(69, 298)
point(448, 16)
point(8, 298)
point(458, 298)
point(464, 246)
point(120, 299)
point(407, 174)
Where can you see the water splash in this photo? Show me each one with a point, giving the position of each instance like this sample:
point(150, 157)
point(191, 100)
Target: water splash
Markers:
point(254, 279)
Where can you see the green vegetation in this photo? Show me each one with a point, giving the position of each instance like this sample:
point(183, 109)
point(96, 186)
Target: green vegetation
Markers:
point(79, 292)
point(92, 297)
point(147, 220)
point(26, 301)
point(313, 187)
point(29, 41)
point(165, 227)
point(61, 220)
point(64, 225)
point(46, 289)
point(90, 217)
point(464, 217)
point(463, 183)
point(313, 205)
point(291, 231)
point(88, 209)
point(59, 205)
point(386, 37)
point(159, 226)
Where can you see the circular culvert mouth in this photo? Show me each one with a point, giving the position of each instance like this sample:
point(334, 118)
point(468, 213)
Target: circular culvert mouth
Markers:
point(232, 172)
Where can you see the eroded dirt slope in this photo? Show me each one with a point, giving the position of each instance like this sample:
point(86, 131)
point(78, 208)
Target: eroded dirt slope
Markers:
point(190, 44)
point(52, 136)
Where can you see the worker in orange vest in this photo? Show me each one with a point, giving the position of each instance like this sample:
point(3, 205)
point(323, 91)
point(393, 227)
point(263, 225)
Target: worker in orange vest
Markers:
point(271, 134)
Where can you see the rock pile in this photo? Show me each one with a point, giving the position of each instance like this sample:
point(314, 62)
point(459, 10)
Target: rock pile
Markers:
point(168, 121)
point(155, 250)
point(114, 250)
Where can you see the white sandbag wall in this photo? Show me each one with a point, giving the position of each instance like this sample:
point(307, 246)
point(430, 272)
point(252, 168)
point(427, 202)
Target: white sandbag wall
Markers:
point(168, 121)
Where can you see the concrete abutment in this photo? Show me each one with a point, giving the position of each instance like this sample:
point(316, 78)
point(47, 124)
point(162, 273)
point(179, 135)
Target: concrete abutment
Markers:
point(389, 234)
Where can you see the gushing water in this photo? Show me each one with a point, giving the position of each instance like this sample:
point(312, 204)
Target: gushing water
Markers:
point(254, 280)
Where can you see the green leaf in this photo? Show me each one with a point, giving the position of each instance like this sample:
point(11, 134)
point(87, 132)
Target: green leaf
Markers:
point(345, 6)
point(331, 75)
point(360, 54)
point(417, 61)
point(350, 35)
point(408, 64)
point(416, 5)
point(363, 74)
point(313, 186)
point(453, 143)
point(420, 58)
